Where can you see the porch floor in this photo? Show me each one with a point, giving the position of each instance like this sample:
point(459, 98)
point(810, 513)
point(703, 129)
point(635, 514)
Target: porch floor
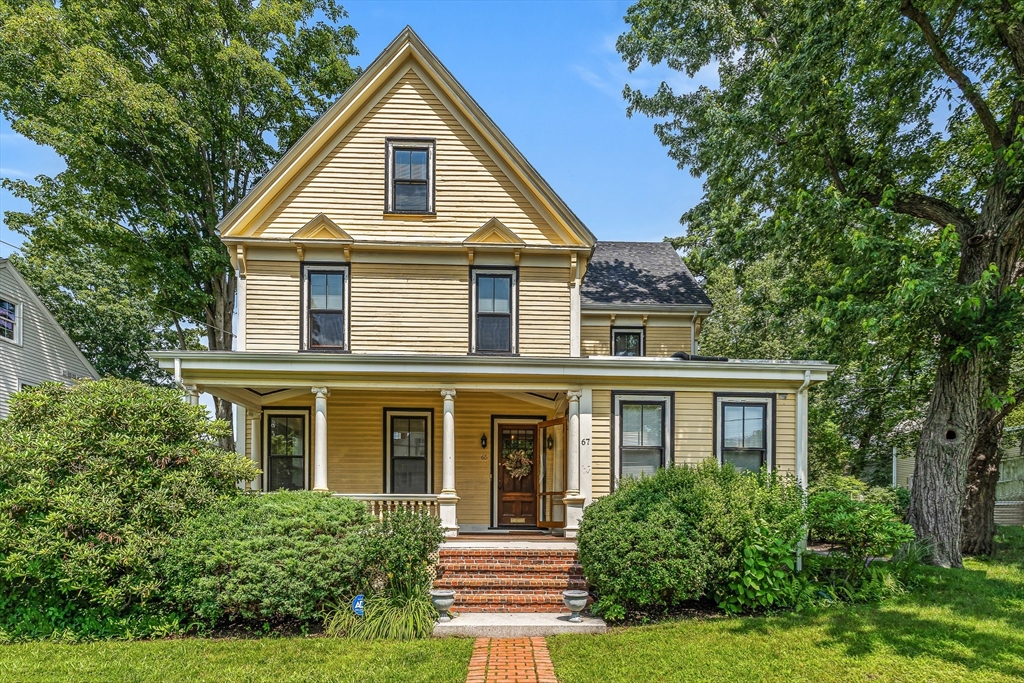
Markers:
point(512, 541)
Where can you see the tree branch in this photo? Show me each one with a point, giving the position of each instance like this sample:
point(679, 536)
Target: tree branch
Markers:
point(955, 74)
point(922, 206)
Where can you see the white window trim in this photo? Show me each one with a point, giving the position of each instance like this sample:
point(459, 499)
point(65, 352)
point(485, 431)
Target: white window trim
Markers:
point(346, 289)
point(389, 443)
point(391, 144)
point(513, 305)
point(667, 430)
point(766, 400)
point(630, 330)
point(265, 446)
point(19, 312)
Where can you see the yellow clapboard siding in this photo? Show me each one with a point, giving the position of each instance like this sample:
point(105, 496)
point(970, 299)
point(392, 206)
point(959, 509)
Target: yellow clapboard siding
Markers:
point(272, 306)
point(664, 341)
point(408, 308)
point(693, 427)
point(785, 434)
point(601, 443)
point(348, 185)
point(544, 311)
point(595, 340)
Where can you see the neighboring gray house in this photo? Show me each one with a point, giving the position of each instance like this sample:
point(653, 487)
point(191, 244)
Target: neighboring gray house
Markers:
point(33, 347)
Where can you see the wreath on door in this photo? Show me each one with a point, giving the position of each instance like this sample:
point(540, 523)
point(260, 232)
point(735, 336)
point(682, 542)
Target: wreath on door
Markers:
point(516, 460)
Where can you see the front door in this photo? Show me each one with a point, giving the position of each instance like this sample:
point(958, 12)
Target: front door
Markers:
point(517, 475)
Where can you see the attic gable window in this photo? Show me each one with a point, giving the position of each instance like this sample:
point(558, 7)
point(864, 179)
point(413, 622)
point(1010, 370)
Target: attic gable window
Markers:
point(410, 176)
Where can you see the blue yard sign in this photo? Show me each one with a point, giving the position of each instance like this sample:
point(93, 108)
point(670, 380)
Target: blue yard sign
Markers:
point(357, 605)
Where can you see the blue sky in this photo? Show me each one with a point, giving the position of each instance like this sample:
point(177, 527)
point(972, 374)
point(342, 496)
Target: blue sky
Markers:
point(548, 74)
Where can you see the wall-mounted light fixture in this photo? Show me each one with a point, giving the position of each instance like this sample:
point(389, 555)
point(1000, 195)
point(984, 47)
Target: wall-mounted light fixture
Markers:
point(483, 441)
point(551, 442)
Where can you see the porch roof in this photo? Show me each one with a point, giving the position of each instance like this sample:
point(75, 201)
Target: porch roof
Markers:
point(260, 370)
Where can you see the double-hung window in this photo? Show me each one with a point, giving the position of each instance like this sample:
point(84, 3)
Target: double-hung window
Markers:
point(409, 440)
point(410, 176)
point(627, 341)
point(494, 311)
point(744, 431)
point(643, 434)
point(325, 308)
point(9, 322)
point(286, 441)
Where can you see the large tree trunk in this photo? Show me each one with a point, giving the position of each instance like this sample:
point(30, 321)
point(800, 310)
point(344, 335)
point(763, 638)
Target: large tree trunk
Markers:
point(219, 315)
point(979, 513)
point(947, 441)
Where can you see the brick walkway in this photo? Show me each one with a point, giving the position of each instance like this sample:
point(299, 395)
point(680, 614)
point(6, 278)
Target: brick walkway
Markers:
point(524, 660)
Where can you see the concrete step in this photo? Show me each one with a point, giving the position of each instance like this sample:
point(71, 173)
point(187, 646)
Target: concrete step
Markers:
point(518, 625)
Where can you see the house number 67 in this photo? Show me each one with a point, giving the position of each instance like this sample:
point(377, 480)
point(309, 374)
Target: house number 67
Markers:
point(584, 442)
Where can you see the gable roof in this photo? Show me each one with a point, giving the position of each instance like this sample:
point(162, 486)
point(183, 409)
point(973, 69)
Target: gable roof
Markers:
point(300, 160)
point(639, 273)
point(30, 293)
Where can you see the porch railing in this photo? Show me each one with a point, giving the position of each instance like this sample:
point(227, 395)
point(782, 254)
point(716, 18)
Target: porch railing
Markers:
point(382, 503)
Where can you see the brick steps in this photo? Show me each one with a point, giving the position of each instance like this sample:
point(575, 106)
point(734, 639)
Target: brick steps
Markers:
point(509, 580)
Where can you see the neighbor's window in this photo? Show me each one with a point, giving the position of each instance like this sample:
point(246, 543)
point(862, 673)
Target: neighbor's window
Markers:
point(494, 328)
point(8, 320)
point(643, 434)
point(409, 452)
point(628, 342)
point(325, 309)
point(744, 433)
point(286, 451)
point(410, 176)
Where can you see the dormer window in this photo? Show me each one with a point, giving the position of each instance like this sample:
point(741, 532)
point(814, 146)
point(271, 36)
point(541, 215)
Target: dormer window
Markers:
point(627, 341)
point(410, 176)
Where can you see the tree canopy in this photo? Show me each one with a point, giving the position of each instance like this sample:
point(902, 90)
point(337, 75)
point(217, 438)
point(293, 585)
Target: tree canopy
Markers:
point(879, 145)
point(166, 114)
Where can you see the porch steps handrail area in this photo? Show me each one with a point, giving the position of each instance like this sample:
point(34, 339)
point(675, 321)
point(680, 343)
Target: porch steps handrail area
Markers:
point(381, 504)
point(509, 579)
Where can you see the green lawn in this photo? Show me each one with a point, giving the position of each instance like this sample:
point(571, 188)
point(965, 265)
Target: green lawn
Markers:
point(960, 626)
point(309, 660)
point(965, 625)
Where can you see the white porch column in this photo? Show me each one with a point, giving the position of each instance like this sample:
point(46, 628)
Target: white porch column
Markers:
point(320, 440)
point(448, 499)
point(193, 393)
point(573, 499)
point(255, 442)
point(802, 469)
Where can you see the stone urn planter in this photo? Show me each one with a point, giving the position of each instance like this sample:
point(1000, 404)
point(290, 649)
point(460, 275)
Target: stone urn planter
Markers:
point(575, 602)
point(443, 601)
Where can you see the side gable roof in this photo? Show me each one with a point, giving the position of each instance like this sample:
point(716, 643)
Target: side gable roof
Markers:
point(30, 293)
point(639, 274)
point(299, 161)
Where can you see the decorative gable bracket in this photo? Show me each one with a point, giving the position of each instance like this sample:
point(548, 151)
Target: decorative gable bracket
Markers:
point(494, 233)
point(321, 230)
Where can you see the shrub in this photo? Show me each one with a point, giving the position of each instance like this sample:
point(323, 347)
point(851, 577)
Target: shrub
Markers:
point(767, 578)
point(398, 555)
point(93, 480)
point(858, 531)
point(679, 535)
point(260, 559)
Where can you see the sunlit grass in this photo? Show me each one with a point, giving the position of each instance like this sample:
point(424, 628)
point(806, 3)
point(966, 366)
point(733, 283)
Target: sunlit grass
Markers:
point(960, 625)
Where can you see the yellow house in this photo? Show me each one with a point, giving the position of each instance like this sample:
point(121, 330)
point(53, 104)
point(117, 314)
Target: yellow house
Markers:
point(424, 323)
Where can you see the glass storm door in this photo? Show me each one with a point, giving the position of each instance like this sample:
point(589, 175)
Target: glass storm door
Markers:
point(551, 474)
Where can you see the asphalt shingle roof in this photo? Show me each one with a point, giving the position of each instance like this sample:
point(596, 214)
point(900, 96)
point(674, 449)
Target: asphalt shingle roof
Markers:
point(639, 273)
